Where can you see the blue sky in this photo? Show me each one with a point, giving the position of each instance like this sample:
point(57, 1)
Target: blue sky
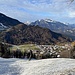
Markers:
point(31, 10)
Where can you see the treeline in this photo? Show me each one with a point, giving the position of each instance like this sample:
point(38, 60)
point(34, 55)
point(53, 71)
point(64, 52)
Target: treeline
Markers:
point(5, 52)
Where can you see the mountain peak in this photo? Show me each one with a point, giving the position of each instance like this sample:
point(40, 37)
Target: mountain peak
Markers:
point(27, 23)
point(46, 20)
point(49, 20)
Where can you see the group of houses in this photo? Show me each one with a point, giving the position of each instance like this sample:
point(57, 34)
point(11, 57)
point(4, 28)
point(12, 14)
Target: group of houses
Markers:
point(46, 51)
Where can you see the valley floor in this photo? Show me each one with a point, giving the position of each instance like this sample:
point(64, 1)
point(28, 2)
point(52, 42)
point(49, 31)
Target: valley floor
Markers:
point(56, 66)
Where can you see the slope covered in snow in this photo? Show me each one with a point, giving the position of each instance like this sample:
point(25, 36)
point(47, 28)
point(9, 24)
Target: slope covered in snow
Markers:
point(2, 27)
point(58, 66)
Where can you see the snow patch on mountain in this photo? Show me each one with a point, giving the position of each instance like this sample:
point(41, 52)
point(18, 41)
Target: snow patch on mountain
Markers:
point(2, 26)
point(27, 23)
point(49, 20)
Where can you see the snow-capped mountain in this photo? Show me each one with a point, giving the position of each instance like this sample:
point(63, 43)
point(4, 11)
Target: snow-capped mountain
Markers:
point(49, 20)
point(51, 24)
point(56, 26)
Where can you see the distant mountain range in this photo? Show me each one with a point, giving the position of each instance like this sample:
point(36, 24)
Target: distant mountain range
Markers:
point(56, 26)
point(6, 22)
point(19, 33)
point(48, 23)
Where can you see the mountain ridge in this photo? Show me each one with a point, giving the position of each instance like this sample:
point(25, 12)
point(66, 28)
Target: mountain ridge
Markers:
point(56, 26)
point(22, 33)
point(6, 22)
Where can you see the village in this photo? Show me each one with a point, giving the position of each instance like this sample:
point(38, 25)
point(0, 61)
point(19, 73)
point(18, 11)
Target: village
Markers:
point(53, 51)
point(41, 52)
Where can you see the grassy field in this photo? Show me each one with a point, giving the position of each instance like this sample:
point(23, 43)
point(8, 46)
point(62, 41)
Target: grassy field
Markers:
point(25, 47)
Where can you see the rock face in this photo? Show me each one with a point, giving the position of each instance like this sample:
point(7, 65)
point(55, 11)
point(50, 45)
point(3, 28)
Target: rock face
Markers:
point(22, 33)
point(6, 21)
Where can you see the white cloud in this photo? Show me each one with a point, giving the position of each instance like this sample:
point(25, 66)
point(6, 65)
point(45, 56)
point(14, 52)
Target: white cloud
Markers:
point(24, 10)
point(72, 14)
